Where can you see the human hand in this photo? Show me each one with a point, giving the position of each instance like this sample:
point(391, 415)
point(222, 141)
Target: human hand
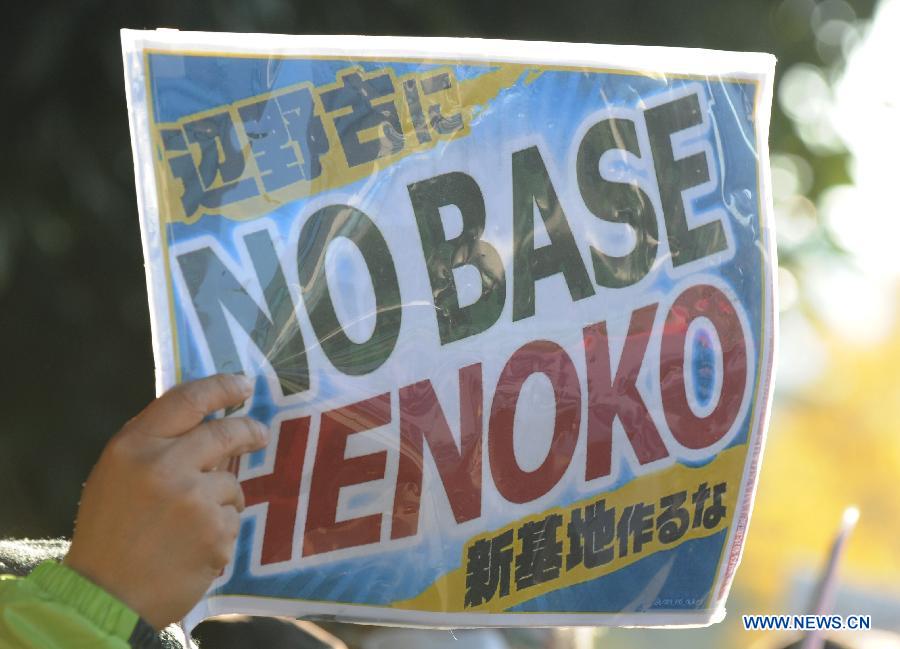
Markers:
point(158, 519)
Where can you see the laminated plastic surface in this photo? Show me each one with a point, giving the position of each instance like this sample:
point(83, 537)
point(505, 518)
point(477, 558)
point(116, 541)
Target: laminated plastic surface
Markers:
point(508, 307)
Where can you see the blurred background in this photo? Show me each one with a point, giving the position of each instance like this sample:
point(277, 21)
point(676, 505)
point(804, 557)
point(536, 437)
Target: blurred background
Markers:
point(74, 325)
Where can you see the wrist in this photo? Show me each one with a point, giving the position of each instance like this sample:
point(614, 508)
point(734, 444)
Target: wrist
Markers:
point(69, 587)
point(102, 578)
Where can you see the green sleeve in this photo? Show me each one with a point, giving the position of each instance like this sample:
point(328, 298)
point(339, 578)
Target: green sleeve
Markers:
point(55, 607)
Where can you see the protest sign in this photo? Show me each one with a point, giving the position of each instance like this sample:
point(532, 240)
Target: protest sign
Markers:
point(507, 306)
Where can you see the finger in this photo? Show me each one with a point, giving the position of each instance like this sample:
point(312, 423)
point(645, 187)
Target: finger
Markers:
point(231, 465)
point(232, 521)
point(183, 407)
point(229, 527)
point(224, 489)
point(213, 442)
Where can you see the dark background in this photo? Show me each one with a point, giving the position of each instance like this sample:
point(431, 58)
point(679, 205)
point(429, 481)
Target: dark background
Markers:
point(74, 323)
